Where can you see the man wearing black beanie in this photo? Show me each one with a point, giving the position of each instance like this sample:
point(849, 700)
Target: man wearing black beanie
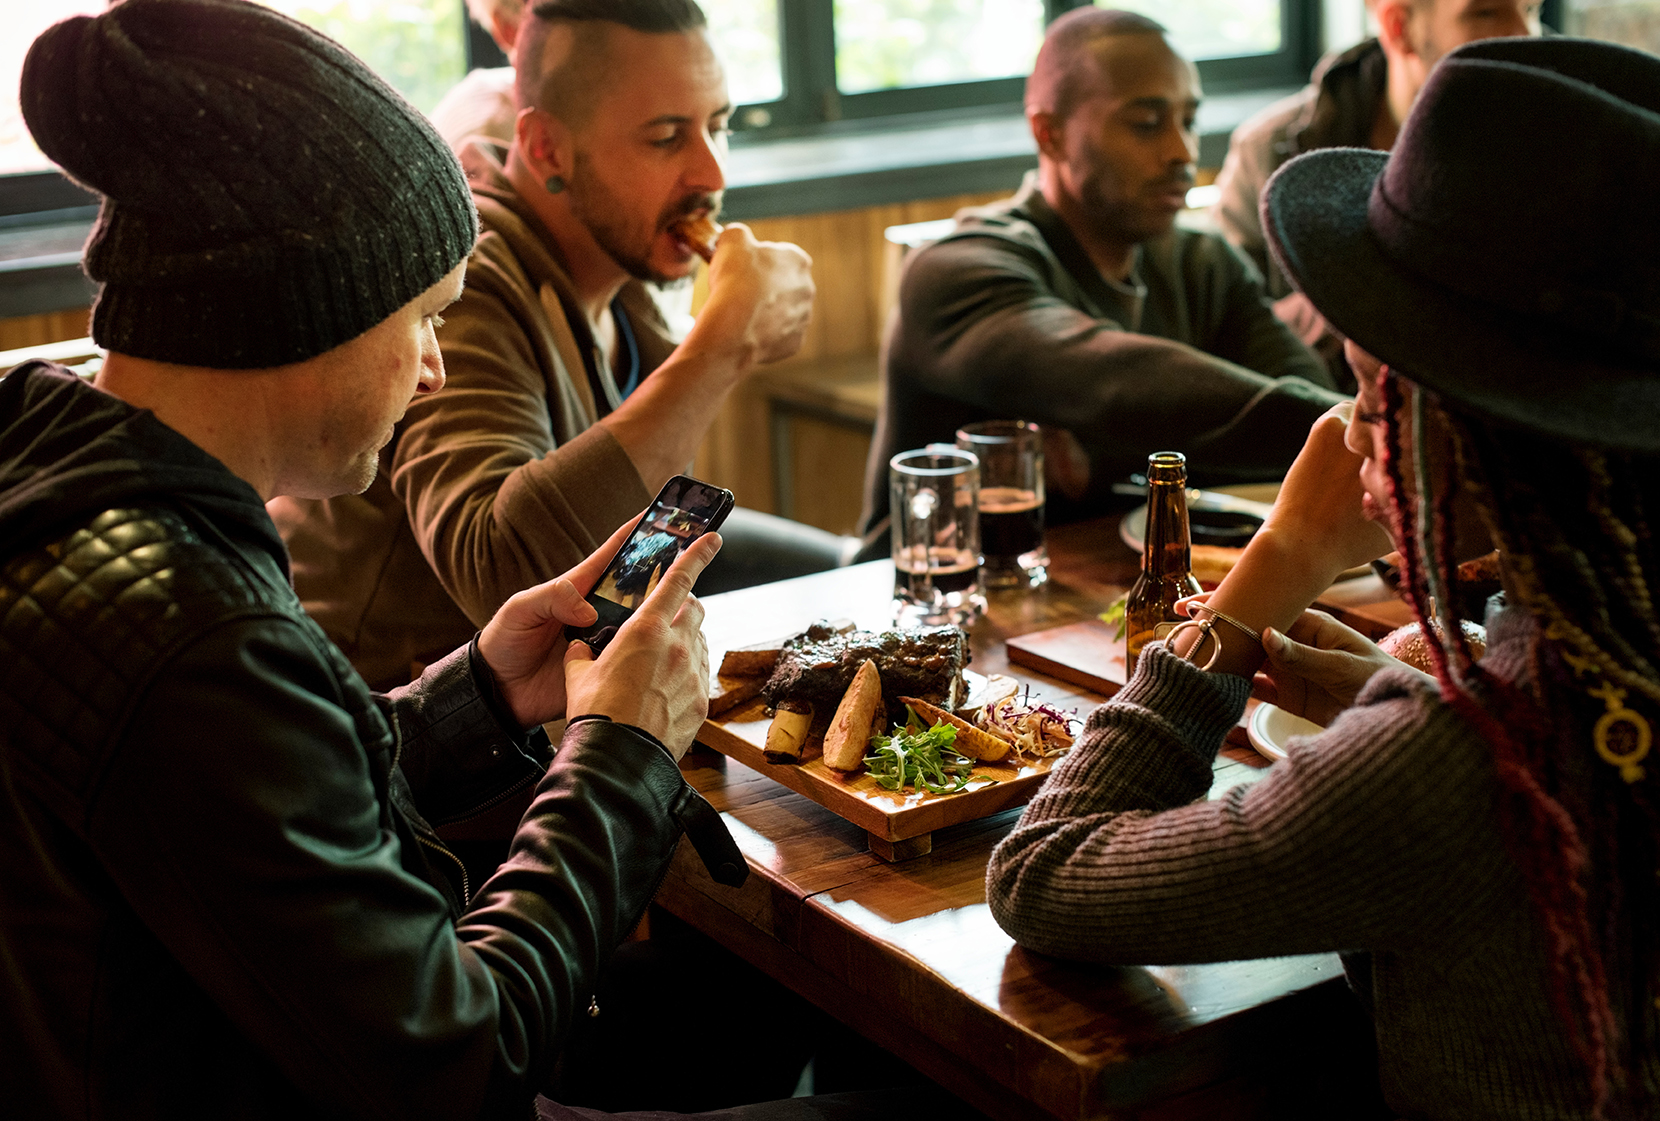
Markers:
point(223, 893)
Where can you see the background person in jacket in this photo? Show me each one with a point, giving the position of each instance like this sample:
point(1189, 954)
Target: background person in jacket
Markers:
point(1079, 305)
point(1356, 99)
point(224, 893)
point(569, 403)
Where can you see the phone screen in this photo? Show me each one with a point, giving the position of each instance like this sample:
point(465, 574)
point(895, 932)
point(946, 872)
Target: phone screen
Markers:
point(684, 510)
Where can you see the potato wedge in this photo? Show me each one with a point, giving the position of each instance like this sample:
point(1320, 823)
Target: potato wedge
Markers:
point(849, 734)
point(976, 743)
point(788, 734)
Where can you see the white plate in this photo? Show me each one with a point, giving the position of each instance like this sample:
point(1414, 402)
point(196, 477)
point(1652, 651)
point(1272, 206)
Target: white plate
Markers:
point(1133, 527)
point(1271, 728)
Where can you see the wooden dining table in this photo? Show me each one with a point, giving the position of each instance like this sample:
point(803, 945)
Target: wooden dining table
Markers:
point(908, 954)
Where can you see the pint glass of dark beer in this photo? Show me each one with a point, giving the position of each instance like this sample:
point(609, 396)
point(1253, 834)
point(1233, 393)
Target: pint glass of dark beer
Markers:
point(1011, 501)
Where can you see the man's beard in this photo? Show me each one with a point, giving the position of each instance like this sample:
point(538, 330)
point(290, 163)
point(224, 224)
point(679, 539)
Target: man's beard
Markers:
point(590, 202)
point(1116, 219)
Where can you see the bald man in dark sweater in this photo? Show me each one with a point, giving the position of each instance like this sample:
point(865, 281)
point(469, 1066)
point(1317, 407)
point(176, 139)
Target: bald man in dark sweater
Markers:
point(1078, 304)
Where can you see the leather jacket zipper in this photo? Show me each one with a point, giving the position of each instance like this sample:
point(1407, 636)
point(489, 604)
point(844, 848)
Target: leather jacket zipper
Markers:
point(432, 843)
point(438, 846)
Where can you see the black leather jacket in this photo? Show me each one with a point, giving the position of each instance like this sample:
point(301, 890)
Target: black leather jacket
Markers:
point(221, 892)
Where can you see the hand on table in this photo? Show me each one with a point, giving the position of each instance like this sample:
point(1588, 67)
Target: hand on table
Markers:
point(655, 672)
point(760, 297)
point(524, 643)
point(1318, 667)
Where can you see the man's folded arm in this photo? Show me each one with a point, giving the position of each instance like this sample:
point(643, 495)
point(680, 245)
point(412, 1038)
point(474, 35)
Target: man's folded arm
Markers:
point(993, 335)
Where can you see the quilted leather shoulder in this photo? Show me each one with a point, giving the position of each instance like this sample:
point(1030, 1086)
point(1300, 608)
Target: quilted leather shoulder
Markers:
point(86, 620)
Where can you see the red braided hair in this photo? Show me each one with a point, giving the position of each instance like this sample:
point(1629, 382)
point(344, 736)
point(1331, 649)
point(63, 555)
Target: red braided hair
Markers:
point(1545, 838)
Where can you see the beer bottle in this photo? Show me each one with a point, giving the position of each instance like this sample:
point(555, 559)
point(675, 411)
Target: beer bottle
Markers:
point(1167, 561)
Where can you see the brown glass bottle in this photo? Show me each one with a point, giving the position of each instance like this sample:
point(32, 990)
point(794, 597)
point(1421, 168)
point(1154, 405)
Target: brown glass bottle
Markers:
point(1167, 561)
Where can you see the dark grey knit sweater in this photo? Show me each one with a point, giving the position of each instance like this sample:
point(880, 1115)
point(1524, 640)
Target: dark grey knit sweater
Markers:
point(1381, 836)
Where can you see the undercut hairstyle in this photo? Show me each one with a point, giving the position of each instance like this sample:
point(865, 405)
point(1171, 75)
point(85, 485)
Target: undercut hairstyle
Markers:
point(1066, 62)
point(569, 90)
point(1575, 526)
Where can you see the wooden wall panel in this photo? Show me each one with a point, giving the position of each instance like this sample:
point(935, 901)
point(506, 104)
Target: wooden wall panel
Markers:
point(37, 330)
point(827, 469)
point(849, 257)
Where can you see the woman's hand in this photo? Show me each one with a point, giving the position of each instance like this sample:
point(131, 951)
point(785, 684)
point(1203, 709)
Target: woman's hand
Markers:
point(1317, 528)
point(1320, 513)
point(1318, 668)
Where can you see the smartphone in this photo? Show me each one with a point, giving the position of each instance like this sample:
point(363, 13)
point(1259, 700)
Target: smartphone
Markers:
point(684, 510)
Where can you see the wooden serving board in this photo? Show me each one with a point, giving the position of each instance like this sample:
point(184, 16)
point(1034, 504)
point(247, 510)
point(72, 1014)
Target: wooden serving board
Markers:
point(1084, 653)
point(899, 823)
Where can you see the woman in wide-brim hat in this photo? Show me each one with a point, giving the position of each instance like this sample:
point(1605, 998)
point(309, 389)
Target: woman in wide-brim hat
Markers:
point(1485, 838)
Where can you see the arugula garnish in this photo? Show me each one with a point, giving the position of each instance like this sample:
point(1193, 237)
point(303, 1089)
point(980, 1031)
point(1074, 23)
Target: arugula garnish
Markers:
point(920, 756)
point(1114, 615)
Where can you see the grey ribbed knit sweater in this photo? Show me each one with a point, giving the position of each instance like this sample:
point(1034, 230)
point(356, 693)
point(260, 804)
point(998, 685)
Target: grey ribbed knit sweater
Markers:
point(1380, 836)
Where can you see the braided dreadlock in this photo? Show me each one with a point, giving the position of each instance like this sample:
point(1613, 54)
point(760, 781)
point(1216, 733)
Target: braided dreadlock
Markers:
point(1572, 527)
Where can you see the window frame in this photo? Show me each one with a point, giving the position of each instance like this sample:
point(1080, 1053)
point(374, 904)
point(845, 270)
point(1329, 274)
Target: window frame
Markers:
point(808, 62)
point(812, 102)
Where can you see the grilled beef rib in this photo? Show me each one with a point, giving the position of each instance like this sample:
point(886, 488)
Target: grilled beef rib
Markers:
point(816, 666)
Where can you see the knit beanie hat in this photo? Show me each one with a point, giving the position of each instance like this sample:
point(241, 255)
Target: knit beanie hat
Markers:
point(266, 197)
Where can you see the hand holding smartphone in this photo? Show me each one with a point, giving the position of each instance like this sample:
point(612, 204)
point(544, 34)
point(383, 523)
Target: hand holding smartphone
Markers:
point(684, 510)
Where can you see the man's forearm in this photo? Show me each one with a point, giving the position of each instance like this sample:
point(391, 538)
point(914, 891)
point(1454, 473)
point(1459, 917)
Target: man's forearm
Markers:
point(663, 422)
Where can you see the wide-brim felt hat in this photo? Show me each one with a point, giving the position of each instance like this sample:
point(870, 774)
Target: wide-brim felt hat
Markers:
point(1506, 253)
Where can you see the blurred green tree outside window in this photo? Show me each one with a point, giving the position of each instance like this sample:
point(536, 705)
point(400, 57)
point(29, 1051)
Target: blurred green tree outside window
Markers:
point(1215, 28)
point(419, 46)
point(888, 44)
point(891, 44)
point(745, 33)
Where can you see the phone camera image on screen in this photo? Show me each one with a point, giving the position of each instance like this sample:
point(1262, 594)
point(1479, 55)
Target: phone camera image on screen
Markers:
point(684, 510)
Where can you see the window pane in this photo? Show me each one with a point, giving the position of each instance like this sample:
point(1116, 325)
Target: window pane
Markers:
point(1632, 22)
point(1216, 28)
point(23, 24)
point(884, 44)
point(417, 45)
point(746, 35)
